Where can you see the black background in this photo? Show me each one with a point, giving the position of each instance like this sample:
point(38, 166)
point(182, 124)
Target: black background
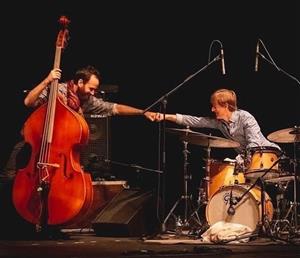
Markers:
point(148, 48)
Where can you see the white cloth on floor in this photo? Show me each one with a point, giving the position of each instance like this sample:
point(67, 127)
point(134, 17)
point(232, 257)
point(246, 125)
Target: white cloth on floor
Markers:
point(223, 232)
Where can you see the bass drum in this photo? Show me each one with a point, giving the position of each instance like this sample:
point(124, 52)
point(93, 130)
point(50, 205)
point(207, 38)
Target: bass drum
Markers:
point(246, 212)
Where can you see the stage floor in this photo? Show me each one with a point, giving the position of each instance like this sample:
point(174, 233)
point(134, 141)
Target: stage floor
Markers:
point(84, 243)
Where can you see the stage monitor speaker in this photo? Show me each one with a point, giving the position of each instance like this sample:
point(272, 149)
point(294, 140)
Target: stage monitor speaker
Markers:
point(130, 213)
point(98, 149)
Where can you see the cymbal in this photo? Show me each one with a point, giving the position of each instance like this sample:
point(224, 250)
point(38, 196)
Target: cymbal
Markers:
point(183, 132)
point(203, 139)
point(287, 135)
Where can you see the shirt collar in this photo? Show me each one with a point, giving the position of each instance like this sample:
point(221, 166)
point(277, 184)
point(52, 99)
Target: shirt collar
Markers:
point(234, 117)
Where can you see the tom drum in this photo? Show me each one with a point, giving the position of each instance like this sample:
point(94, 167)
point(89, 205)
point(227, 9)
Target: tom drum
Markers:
point(223, 173)
point(262, 160)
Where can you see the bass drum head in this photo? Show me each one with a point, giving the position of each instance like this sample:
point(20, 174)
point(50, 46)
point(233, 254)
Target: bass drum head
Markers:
point(246, 212)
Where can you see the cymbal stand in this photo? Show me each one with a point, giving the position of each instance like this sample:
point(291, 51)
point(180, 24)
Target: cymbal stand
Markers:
point(204, 191)
point(183, 223)
point(290, 219)
point(207, 173)
point(295, 203)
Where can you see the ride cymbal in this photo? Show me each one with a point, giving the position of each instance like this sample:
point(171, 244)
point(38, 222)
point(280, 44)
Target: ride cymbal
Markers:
point(288, 135)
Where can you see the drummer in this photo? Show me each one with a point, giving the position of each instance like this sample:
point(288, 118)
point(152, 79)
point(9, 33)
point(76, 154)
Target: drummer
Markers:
point(235, 124)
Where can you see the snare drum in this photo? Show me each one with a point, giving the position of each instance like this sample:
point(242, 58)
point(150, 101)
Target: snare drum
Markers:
point(262, 159)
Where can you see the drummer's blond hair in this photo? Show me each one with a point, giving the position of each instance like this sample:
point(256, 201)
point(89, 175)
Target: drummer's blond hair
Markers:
point(223, 97)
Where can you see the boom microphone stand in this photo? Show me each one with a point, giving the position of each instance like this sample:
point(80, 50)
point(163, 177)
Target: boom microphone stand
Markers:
point(163, 101)
point(271, 61)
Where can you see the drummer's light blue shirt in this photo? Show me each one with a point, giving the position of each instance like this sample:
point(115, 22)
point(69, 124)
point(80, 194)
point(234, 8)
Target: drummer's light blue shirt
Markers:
point(242, 128)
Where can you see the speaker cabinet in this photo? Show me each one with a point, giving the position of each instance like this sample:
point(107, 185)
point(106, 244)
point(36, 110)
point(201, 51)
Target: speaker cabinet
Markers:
point(98, 149)
point(130, 213)
point(103, 193)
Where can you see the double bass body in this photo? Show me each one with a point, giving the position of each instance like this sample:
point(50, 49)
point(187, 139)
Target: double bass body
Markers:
point(66, 184)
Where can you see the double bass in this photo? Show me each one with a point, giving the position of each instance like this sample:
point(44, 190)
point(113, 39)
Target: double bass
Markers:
point(53, 189)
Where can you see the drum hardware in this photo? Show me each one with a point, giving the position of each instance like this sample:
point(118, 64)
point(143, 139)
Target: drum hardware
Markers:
point(184, 223)
point(208, 141)
point(282, 225)
point(291, 135)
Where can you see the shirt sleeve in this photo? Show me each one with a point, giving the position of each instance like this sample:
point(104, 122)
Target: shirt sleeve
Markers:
point(98, 106)
point(43, 97)
point(197, 122)
point(252, 131)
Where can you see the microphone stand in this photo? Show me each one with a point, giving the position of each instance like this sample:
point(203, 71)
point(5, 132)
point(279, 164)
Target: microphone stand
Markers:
point(278, 68)
point(273, 63)
point(163, 101)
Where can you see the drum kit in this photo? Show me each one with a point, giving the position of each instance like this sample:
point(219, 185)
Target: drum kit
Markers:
point(231, 195)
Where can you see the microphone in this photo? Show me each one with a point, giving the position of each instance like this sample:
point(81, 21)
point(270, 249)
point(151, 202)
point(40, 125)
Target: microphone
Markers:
point(222, 61)
point(256, 57)
point(231, 210)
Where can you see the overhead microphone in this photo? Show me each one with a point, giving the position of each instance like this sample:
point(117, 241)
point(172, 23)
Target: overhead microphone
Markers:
point(222, 61)
point(256, 57)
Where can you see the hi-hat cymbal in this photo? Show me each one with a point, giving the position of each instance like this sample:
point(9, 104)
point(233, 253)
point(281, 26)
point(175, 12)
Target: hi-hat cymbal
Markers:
point(203, 139)
point(287, 135)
